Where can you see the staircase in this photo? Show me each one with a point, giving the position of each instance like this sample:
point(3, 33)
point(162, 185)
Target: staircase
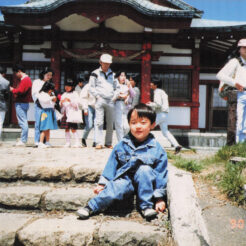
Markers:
point(41, 188)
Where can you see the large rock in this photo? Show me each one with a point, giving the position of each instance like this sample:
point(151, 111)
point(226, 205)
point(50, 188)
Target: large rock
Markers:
point(85, 174)
point(9, 171)
point(22, 196)
point(47, 171)
point(58, 232)
point(67, 198)
point(10, 223)
point(130, 234)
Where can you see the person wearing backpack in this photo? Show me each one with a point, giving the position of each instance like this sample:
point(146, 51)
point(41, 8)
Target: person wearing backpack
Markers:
point(233, 74)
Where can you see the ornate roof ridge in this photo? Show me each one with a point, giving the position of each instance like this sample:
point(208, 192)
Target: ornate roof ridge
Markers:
point(144, 6)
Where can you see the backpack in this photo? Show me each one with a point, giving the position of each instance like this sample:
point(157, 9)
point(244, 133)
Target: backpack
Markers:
point(226, 89)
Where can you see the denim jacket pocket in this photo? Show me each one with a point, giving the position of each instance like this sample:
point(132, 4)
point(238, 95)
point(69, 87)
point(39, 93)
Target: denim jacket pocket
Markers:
point(123, 157)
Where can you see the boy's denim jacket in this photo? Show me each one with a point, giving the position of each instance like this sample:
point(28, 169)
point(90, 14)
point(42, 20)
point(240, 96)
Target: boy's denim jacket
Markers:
point(126, 156)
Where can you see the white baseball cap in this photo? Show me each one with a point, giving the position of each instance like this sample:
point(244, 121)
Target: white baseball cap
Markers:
point(242, 43)
point(106, 58)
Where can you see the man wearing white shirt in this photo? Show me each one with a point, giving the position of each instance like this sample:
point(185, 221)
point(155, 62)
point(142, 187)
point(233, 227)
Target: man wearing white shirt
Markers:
point(161, 106)
point(234, 74)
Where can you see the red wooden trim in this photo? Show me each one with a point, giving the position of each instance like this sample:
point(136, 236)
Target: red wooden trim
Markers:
point(146, 72)
point(194, 116)
point(209, 82)
point(178, 127)
point(184, 104)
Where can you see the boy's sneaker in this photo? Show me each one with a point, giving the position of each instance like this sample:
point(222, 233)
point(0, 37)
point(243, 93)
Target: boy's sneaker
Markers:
point(149, 213)
point(20, 144)
point(84, 213)
point(67, 145)
point(42, 145)
point(84, 142)
point(177, 149)
point(48, 144)
point(77, 145)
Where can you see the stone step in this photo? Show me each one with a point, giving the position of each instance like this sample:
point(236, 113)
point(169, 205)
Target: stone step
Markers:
point(44, 197)
point(65, 229)
point(52, 164)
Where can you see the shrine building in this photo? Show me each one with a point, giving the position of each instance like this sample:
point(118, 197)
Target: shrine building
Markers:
point(165, 39)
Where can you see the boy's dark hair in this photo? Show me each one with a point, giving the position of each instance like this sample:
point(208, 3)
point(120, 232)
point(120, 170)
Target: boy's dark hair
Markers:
point(46, 70)
point(18, 67)
point(3, 70)
point(47, 86)
point(143, 110)
point(156, 82)
point(70, 82)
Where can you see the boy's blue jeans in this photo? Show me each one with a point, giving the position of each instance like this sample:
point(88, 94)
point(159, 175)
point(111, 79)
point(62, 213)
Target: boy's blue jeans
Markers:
point(21, 113)
point(89, 122)
point(120, 188)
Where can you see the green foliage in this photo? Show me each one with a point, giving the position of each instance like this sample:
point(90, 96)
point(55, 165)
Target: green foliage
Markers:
point(188, 165)
point(232, 182)
point(227, 152)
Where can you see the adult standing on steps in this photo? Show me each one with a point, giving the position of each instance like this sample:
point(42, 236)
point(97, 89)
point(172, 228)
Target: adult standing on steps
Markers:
point(104, 87)
point(234, 75)
point(22, 97)
point(161, 106)
point(4, 88)
point(37, 85)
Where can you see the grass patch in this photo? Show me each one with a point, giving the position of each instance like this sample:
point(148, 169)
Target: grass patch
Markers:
point(232, 182)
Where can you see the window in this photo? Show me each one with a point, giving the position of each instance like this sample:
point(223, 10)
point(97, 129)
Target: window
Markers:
point(34, 72)
point(176, 84)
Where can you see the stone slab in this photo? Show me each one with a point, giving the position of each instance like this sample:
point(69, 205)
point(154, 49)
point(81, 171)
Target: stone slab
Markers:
point(22, 196)
point(10, 224)
point(9, 171)
point(185, 213)
point(52, 231)
point(131, 234)
point(47, 171)
point(67, 198)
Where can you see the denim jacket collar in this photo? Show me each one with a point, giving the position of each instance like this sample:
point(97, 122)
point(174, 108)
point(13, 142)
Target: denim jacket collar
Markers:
point(149, 142)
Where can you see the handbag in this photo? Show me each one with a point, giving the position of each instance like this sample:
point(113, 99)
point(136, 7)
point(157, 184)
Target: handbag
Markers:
point(74, 116)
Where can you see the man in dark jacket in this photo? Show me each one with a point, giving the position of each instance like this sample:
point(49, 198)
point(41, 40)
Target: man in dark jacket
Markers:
point(4, 89)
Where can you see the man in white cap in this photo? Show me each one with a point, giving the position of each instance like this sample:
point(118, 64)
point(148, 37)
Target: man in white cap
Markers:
point(234, 74)
point(104, 88)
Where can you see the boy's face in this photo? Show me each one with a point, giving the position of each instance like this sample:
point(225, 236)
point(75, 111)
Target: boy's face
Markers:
point(140, 127)
point(68, 88)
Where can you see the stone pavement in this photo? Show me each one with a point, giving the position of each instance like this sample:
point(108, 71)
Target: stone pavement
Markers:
point(41, 188)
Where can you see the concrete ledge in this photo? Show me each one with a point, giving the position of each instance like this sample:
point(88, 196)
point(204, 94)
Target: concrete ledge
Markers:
point(188, 226)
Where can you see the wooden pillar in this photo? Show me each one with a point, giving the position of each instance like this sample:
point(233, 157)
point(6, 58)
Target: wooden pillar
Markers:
point(146, 72)
point(232, 118)
point(55, 57)
point(194, 116)
point(17, 59)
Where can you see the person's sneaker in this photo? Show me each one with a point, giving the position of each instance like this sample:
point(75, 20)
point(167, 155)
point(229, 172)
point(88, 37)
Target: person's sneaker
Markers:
point(149, 213)
point(42, 145)
point(84, 213)
point(67, 145)
point(99, 147)
point(109, 146)
point(77, 145)
point(35, 145)
point(84, 142)
point(94, 144)
point(48, 144)
point(177, 149)
point(20, 144)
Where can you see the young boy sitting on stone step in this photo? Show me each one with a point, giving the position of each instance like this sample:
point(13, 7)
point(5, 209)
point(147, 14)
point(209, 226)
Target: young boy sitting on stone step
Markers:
point(137, 164)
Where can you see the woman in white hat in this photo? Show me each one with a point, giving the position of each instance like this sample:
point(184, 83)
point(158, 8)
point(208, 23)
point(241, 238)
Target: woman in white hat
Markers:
point(234, 74)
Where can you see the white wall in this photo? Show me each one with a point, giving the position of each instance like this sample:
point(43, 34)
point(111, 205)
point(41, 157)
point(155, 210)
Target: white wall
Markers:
point(202, 108)
point(208, 76)
point(39, 57)
point(174, 60)
point(179, 116)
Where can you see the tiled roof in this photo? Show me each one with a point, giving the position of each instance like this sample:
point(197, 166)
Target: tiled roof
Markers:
point(203, 23)
point(144, 6)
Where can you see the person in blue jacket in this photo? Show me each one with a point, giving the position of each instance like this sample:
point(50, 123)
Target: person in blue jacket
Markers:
point(137, 164)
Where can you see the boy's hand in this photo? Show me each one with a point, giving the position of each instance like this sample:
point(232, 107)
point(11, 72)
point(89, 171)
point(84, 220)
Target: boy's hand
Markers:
point(160, 206)
point(98, 189)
